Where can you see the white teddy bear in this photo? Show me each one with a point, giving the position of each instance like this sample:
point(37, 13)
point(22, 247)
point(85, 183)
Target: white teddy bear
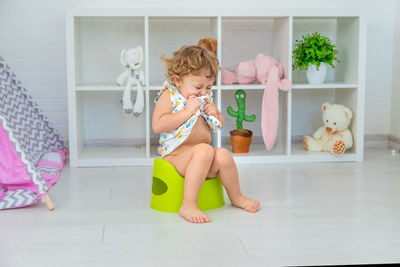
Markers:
point(334, 136)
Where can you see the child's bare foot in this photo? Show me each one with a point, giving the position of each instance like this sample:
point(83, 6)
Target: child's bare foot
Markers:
point(251, 205)
point(193, 214)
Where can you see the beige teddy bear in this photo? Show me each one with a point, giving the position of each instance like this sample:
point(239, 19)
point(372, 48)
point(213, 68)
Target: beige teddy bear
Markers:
point(334, 136)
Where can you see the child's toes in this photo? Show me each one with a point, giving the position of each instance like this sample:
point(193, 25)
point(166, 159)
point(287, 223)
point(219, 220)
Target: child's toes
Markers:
point(205, 219)
point(253, 209)
point(255, 205)
point(192, 214)
point(247, 204)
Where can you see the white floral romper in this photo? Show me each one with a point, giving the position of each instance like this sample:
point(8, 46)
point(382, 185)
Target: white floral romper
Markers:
point(171, 140)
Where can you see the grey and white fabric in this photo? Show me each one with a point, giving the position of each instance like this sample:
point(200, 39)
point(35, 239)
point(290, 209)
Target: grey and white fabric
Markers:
point(29, 124)
point(17, 198)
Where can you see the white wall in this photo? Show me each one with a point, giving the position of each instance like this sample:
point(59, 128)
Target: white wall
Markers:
point(32, 41)
point(395, 118)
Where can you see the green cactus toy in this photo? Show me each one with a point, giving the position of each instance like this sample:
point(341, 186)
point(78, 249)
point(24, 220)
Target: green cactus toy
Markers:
point(240, 97)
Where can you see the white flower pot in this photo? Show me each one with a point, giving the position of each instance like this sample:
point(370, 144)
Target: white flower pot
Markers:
point(317, 76)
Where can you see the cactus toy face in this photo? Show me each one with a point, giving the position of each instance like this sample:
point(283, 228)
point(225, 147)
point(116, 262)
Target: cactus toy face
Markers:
point(240, 97)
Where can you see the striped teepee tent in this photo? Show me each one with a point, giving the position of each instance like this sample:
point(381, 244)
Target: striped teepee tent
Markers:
point(32, 154)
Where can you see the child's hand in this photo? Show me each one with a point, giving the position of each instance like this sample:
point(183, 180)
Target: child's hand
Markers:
point(192, 104)
point(210, 109)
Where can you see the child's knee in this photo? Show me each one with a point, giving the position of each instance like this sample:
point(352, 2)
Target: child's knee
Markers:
point(223, 157)
point(204, 152)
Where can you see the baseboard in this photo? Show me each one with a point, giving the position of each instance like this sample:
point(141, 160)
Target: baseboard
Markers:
point(394, 143)
point(376, 140)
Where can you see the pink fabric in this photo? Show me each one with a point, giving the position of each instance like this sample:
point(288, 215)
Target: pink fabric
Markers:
point(13, 174)
point(1, 193)
point(48, 163)
point(270, 106)
point(246, 72)
point(50, 179)
point(228, 77)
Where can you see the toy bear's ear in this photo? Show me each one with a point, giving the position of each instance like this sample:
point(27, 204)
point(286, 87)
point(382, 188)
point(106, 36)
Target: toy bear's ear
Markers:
point(214, 45)
point(348, 113)
point(123, 54)
point(209, 44)
point(139, 51)
point(325, 106)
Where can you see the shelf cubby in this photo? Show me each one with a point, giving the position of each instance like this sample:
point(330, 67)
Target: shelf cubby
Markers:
point(307, 114)
point(107, 133)
point(98, 45)
point(242, 38)
point(257, 146)
point(344, 32)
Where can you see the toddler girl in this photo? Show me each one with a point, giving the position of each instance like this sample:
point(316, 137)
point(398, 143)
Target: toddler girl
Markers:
point(184, 115)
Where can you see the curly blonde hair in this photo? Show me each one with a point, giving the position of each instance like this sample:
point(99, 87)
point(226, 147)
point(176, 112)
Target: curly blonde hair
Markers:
point(190, 59)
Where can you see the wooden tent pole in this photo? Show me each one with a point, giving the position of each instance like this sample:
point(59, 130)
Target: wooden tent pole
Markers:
point(48, 202)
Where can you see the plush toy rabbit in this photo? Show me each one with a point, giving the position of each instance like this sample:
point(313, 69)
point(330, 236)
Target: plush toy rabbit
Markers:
point(133, 75)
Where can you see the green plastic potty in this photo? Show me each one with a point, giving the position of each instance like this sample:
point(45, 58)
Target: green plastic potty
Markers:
point(167, 189)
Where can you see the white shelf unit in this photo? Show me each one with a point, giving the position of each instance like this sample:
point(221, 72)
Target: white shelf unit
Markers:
point(101, 134)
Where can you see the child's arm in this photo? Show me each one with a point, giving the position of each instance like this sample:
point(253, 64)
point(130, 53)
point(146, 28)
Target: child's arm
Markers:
point(163, 118)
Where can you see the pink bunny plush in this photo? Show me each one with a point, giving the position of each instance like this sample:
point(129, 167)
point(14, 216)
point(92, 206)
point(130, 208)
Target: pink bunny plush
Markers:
point(270, 72)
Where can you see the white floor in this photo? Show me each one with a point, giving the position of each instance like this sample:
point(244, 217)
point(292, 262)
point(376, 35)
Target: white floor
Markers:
point(327, 213)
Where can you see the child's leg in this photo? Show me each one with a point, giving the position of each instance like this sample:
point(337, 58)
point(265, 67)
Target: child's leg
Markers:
point(224, 166)
point(193, 163)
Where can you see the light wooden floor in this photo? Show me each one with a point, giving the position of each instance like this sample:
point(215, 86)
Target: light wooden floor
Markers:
point(329, 213)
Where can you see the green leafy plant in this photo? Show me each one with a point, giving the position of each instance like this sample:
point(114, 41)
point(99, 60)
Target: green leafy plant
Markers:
point(314, 48)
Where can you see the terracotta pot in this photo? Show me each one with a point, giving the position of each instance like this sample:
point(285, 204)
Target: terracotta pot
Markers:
point(240, 140)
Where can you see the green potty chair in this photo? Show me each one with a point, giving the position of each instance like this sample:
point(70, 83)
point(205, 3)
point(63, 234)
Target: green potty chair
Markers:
point(167, 189)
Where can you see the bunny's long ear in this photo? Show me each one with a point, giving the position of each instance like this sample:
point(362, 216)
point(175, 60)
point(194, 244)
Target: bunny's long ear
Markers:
point(281, 70)
point(285, 85)
point(139, 51)
point(123, 54)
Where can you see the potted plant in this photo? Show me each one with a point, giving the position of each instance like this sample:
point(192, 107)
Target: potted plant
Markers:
point(313, 53)
point(240, 138)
